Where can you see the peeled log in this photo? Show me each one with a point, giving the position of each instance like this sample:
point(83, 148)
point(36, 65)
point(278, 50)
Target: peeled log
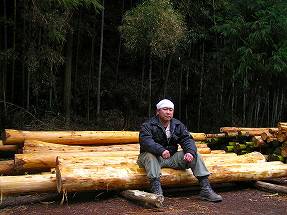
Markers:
point(35, 146)
point(209, 159)
point(237, 129)
point(11, 137)
point(45, 161)
point(220, 135)
point(80, 178)
point(8, 148)
point(7, 167)
point(28, 184)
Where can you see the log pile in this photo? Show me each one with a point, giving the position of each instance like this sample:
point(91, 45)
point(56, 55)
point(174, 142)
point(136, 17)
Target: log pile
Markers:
point(103, 166)
point(270, 141)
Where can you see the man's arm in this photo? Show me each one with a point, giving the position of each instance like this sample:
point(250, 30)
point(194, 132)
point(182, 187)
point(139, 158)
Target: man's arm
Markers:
point(147, 142)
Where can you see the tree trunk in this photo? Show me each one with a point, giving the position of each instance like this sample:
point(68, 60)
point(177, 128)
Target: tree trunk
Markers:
point(73, 178)
point(5, 63)
point(180, 92)
point(8, 148)
point(90, 77)
point(150, 71)
point(10, 136)
point(14, 49)
point(167, 76)
point(45, 160)
point(35, 146)
point(71, 137)
point(24, 184)
point(6, 168)
point(68, 78)
point(100, 62)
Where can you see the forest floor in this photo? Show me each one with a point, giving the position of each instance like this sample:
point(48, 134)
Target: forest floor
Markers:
point(237, 199)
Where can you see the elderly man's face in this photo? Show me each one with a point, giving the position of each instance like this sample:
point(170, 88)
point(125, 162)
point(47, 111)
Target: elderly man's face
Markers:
point(165, 114)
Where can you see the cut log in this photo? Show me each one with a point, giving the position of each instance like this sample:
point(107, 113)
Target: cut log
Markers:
point(282, 126)
point(209, 159)
point(10, 136)
point(281, 136)
point(198, 136)
point(284, 150)
point(36, 146)
point(80, 178)
point(265, 135)
point(28, 184)
point(258, 141)
point(44, 161)
point(144, 198)
point(220, 135)
point(237, 129)
point(8, 148)
point(7, 167)
point(271, 187)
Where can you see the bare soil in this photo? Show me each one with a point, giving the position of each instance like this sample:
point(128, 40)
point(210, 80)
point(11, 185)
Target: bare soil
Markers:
point(237, 199)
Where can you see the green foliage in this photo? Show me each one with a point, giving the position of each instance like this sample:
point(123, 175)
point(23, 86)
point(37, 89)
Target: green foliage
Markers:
point(259, 30)
point(153, 26)
point(79, 3)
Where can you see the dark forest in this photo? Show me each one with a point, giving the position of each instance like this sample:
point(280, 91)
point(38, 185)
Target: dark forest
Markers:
point(103, 65)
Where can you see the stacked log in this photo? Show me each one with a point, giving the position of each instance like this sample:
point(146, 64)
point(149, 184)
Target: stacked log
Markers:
point(10, 137)
point(80, 167)
point(74, 178)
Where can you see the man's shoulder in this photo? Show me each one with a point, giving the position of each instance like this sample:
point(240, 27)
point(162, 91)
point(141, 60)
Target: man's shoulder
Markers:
point(150, 121)
point(176, 121)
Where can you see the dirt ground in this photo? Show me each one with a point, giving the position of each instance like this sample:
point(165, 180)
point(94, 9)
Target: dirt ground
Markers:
point(238, 199)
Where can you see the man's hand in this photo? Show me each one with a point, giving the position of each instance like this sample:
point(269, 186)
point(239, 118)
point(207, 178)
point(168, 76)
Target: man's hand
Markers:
point(165, 154)
point(188, 157)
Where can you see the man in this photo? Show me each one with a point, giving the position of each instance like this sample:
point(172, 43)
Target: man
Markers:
point(159, 139)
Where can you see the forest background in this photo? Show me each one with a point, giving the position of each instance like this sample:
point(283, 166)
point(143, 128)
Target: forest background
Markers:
point(103, 64)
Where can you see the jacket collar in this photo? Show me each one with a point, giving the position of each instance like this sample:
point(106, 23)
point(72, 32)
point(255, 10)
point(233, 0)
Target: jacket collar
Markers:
point(155, 121)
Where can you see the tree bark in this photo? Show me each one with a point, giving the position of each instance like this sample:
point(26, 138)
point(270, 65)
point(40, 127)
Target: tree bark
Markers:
point(7, 167)
point(10, 136)
point(271, 187)
point(80, 178)
point(100, 62)
point(147, 199)
point(45, 160)
point(28, 184)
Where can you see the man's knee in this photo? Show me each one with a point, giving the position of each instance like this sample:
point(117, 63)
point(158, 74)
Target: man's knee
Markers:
point(147, 158)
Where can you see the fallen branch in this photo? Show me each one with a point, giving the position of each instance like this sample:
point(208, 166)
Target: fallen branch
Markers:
point(145, 198)
point(271, 187)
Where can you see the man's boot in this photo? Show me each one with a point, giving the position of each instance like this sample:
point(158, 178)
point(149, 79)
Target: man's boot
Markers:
point(206, 192)
point(156, 186)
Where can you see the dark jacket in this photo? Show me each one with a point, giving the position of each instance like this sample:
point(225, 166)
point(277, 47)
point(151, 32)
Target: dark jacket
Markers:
point(153, 138)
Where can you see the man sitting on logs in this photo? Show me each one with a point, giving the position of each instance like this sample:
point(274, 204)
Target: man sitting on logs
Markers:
point(159, 139)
